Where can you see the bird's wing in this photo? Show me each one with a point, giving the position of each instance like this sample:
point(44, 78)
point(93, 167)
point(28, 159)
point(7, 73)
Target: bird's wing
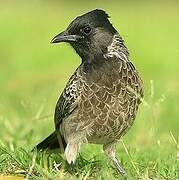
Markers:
point(68, 100)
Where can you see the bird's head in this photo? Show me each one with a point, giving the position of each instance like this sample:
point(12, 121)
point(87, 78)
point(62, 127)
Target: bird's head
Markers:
point(89, 34)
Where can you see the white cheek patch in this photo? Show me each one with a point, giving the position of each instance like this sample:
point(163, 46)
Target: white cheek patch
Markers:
point(117, 49)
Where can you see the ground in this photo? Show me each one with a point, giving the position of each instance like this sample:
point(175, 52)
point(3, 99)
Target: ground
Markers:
point(34, 73)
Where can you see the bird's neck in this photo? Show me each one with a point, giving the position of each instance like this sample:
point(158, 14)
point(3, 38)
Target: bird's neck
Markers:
point(117, 49)
point(113, 48)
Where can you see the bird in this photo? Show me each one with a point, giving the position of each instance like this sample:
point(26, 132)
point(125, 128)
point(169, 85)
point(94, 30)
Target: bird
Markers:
point(101, 99)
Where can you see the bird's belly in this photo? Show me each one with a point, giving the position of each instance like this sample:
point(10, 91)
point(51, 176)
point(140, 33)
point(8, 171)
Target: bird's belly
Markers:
point(103, 132)
point(106, 121)
point(101, 124)
point(103, 114)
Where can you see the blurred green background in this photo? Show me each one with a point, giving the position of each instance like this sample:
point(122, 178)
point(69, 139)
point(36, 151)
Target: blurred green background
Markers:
point(33, 72)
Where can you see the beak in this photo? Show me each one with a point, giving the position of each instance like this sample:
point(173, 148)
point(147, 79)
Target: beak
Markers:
point(64, 37)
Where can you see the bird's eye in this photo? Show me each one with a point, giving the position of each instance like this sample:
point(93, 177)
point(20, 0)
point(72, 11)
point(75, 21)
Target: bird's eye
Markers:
point(87, 30)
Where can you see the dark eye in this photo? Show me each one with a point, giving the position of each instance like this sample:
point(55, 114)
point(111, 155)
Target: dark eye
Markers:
point(87, 30)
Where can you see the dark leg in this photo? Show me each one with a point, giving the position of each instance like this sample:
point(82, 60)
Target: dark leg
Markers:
point(72, 169)
point(119, 167)
point(109, 149)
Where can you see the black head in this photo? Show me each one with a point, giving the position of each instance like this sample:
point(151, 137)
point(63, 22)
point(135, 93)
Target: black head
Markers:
point(89, 34)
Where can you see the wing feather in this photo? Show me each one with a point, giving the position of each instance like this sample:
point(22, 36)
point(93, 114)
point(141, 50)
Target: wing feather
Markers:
point(68, 100)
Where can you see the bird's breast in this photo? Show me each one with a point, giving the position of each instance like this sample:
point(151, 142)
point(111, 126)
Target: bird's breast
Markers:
point(109, 101)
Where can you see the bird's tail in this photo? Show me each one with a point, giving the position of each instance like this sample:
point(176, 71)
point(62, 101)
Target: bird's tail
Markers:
point(52, 142)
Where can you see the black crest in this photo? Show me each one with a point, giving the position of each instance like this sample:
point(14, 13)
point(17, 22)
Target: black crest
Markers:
point(96, 18)
point(97, 13)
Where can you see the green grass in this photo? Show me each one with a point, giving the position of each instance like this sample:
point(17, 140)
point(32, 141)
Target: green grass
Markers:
point(34, 72)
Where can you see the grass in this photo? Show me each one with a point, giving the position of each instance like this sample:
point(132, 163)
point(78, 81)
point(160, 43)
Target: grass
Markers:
point(33, 74)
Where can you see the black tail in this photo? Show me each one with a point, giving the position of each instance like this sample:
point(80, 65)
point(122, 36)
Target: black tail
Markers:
point(52, 142)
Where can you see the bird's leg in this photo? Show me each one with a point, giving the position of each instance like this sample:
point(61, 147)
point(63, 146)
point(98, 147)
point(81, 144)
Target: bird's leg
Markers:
point(119, 167)
point(72, 168)
point(110, 149)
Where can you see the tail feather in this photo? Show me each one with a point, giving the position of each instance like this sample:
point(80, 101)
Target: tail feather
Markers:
point(52, 143)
